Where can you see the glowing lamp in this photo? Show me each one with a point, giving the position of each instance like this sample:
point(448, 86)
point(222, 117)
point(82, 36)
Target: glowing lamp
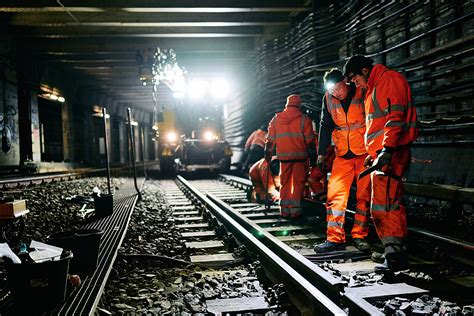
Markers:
point(330, 85)
point(171, 137)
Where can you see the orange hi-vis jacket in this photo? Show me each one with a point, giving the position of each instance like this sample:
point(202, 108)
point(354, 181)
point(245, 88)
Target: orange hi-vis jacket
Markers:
point(349, 127)
point(264, 181)
point(291, 131)
point(390, 115)
point(257, 138)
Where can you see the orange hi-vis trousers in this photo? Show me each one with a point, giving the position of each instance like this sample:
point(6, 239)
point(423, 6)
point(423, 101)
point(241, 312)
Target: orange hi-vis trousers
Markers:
point(343, 173)
point(292, 178)
point(386, 208)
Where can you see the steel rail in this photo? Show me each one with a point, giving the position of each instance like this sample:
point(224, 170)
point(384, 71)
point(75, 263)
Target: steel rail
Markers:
point(416, 230)
point(310, 299)
point(314, 274)
point(60, 176)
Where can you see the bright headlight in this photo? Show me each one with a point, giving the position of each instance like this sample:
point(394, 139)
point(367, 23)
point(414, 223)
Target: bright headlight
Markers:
point(208, 135)
point(171, 137)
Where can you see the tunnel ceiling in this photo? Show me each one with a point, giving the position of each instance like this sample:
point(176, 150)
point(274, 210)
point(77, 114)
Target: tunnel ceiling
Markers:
point(100, 39)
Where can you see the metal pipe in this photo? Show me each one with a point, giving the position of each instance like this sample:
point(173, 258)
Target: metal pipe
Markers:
point(106, 146)
point(142, 145)
point(132, 152)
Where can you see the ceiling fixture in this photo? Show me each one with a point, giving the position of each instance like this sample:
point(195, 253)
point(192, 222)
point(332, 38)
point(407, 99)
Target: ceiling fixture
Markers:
point(50, 93)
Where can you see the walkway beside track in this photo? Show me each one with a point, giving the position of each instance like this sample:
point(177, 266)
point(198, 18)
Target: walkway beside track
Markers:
point(84, 300)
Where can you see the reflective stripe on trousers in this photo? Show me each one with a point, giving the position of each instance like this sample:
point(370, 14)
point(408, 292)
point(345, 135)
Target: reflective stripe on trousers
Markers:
point(343, 173)
point(292, 178)
point(387, 210)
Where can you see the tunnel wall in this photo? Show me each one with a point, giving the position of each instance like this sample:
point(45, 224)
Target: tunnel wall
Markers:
point(430, 42)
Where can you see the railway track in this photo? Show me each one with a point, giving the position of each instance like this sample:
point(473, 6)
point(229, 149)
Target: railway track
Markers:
point(216, 219)
point(209, 211)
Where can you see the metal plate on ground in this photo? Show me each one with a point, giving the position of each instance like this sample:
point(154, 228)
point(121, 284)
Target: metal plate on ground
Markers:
point(188, 219)
point(186, 213)
point(213, 260)
point(359, 267)
point(205, 244)
point(193, 226)
point(307, 238)
point(240, 305)
point(183, 208)
point(205, 234)
point(180, 203)
point(358, 298)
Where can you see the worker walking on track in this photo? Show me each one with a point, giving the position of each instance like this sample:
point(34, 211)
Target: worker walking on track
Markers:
point(391, 127)
point(292, 133)
point(343, 118)
point(254, 147)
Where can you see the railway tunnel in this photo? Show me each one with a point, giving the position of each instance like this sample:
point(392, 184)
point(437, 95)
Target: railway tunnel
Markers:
point(128, 144)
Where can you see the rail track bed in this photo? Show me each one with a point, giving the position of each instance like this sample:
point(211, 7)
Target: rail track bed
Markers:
point(440, 265)
point(200, 247)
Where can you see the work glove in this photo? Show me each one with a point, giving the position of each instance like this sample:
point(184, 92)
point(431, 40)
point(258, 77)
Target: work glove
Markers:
point(321, 162)
point(383, 159)
point(368, 161)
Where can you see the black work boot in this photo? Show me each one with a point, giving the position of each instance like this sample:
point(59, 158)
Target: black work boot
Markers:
point(394, 262)
point(361, 244)
point(377, 257)
point(329, 246)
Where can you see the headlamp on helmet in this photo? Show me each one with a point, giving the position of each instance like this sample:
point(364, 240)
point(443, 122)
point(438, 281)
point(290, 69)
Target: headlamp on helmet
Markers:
point(330, 85)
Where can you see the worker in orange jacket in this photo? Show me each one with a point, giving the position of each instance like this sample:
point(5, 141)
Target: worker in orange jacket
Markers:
point(317, 178)
point(292, 133)
point(266, 181)
point(254, 147)
point(391, 127)
point(343, 118)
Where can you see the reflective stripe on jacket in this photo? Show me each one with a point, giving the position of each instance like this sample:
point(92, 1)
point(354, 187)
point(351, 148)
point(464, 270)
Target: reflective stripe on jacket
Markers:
point(349, 126)
point(391, 117)
point(291, 131)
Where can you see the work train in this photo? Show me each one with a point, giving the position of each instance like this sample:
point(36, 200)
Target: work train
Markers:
point(191, 146)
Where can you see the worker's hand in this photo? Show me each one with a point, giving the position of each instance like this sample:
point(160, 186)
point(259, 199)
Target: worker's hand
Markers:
point(368, 161)
point(321, 162)
point(383, 159)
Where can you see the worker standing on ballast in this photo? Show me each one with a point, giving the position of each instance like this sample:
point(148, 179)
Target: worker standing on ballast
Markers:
point(343, 119)
point(292, 133)
point(391, 123)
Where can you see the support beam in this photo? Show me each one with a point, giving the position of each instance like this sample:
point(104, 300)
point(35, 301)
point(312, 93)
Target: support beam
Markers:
point(156, 6)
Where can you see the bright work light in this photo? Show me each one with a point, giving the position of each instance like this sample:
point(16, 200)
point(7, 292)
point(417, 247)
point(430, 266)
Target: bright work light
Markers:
point(208, 135)
point(197, 89)
point(171, 137)
point(220, 89)
point(330, 85)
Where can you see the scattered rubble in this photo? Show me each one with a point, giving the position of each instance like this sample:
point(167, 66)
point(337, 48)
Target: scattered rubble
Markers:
point(423, 305)
point(157, 287)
